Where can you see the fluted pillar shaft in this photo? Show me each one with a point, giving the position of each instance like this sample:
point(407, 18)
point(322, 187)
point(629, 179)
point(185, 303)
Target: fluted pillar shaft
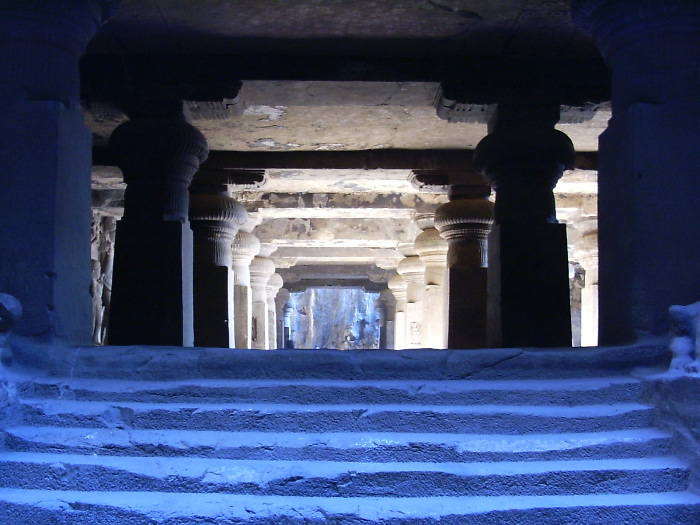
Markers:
point(398, 288)
point(412, 270)
point(528, 279)
point(215, 219)
point(45, 153)
point(649, 162)
point(152, 300)
point(465, 223)
point(432, 251)
point(261, 269)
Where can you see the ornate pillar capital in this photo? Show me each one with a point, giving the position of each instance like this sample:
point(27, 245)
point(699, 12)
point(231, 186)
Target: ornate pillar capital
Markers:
point(245, 246)
point(523, 162)
point(465, 224)
point(650, 45)
point(431, 248)
point(40, 44)
point(158, 157)
point(261, 269)
point(397, 285)
point(411, 269)
point(274, 284)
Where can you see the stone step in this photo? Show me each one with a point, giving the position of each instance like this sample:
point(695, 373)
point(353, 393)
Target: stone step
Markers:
point(349, 446)
point(161, 363)
point(506, 419)
point(112, 507)
point(510, 392)
point(338, 478)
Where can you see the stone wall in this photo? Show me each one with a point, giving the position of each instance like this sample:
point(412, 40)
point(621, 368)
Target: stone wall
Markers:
point(340, 318)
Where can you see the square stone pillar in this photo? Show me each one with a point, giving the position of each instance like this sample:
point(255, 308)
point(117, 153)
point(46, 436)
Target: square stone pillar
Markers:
point(649, 163)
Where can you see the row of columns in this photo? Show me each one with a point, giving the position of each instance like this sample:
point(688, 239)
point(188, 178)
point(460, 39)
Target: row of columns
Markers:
point(188, 270)
point(643, 251)
point(494, 275)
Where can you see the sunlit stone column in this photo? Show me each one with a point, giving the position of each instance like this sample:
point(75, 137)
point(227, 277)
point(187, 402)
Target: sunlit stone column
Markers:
point(528, 279)
point(586, 253)
point(273, 286)
point(465, 223)
point(152, 300)
point(413, 272)
point(381, 309)
point(389, 307)
point(281, 302)
point(287, 324)
point(649, 162)
point(215, 218)
point(432, 251)
point(102, 255)
point(261, 269)
point(397, 285)
point(244, 248)
point(45, 153)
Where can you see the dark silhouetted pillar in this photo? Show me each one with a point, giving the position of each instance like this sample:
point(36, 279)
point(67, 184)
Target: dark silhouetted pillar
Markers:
point(45, 152)
point(464, 223)
point(528, 279)
point(215, 218)
point(152, 297)
point(649, 163)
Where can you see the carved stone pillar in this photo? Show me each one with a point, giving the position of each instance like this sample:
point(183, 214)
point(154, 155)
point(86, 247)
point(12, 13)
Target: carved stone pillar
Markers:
point(381, 308)
point(287, 325)
point(273, 286)
point(523, 158)
point(432, 251)
point(389, 307)
point(45, 152)
point(649, 162)
point(398, 288)
point(281, 303)
point(102, 255)
point(215, 218)
point(465, 223)
point(413, 272)
point(152, 300)
point(261, 269)
point(244, 248)
point(586, 253)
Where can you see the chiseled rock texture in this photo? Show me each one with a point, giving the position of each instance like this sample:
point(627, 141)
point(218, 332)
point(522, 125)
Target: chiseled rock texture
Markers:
point(210, 436)
point(344, 319)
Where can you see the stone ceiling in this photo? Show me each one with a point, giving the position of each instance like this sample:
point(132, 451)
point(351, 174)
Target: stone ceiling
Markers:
point(272, 76)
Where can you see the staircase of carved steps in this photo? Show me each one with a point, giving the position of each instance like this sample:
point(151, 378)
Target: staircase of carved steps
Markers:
point(540, 445)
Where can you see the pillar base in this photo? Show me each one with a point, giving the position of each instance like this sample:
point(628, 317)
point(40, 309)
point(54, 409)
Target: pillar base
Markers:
point(528, 286)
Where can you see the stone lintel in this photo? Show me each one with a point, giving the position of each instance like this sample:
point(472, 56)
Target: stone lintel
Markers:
point(409, 159)
point(365, 284)
point(585, 79)
point(336, 272)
